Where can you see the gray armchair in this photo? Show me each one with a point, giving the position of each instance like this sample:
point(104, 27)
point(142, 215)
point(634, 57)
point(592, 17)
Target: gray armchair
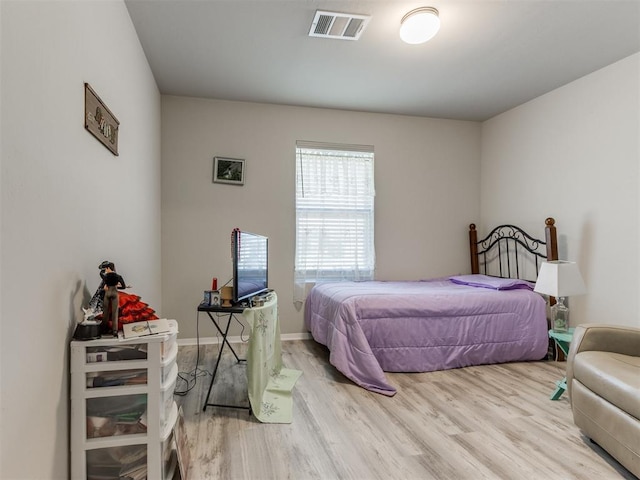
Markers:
point(603, 381)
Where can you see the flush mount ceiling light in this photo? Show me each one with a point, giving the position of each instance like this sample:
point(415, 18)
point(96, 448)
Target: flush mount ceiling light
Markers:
point(419, 25)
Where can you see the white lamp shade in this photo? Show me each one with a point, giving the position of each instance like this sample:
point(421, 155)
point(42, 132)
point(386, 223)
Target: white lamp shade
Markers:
point(419, 25)
point(560, 279)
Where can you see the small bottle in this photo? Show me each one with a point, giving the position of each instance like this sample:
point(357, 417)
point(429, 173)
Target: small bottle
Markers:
point(214, 284)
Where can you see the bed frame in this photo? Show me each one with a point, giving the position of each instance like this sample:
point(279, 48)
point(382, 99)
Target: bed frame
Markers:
point(508, 251)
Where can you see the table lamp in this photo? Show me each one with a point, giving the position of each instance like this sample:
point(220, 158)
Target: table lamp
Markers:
point(560, 279)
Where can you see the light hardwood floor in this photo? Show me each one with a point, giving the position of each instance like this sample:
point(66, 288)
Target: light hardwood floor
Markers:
point(486, 422)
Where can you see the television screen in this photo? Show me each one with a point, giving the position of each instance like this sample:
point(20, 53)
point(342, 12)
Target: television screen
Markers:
point(250, 264)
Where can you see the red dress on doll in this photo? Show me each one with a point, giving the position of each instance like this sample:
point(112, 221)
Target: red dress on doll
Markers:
point(132, 309)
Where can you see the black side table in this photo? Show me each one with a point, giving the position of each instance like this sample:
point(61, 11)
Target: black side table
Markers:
point(229, 312)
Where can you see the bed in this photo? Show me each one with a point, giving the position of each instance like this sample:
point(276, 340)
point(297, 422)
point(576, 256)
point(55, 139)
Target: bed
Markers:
point(489, 316)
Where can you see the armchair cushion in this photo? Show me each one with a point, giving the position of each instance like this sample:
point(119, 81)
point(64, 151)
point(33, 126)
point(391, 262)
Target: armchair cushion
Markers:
point(612, 376)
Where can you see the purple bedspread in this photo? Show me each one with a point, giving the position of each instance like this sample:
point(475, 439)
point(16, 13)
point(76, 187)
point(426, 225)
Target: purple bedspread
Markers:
point(373, 327)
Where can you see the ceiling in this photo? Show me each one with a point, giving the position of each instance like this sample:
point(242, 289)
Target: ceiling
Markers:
point(489, 56)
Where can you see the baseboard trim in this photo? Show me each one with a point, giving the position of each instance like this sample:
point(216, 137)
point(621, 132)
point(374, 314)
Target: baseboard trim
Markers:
point(285, 337)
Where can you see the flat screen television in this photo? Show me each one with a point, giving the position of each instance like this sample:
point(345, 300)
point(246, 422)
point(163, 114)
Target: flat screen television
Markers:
point(250, 253)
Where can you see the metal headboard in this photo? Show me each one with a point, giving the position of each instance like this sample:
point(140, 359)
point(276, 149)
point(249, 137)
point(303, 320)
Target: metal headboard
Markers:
point(510, 252)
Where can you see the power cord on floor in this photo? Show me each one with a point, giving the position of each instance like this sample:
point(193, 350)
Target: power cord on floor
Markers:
point(190, 378)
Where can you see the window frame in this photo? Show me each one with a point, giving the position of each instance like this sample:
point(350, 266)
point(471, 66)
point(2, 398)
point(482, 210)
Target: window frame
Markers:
point(362, 266)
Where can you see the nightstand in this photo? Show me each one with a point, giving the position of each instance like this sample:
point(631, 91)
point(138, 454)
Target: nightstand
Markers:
point(563, 341)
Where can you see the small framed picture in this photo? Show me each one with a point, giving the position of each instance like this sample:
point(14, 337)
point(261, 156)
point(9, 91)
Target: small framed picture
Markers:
point(212, 298)
point(228, 170)
point(214, 301)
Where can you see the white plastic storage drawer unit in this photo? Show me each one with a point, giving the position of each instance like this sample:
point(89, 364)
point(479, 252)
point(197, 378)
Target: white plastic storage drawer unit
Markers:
point(122, 407)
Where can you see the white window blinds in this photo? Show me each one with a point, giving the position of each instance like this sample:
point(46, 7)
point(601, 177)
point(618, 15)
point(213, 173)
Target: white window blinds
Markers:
point(334, 214)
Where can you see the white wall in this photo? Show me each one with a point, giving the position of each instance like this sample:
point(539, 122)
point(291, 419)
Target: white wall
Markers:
point(573, 154)
point(67, 204)
point(427, 193)
point(56, 181)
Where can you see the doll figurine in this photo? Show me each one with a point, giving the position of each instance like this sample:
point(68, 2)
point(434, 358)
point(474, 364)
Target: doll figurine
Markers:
point(112, 281)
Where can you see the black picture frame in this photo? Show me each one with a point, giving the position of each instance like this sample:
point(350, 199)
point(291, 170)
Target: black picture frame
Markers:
point(228, 170)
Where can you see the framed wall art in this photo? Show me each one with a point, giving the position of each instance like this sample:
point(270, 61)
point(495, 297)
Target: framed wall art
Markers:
point(99, 120)
point(228, 170)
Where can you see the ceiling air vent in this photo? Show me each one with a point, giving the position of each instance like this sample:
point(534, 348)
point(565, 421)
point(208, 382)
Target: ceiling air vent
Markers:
point(344, 26)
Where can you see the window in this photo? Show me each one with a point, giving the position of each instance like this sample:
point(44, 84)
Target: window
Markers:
point(334, 214)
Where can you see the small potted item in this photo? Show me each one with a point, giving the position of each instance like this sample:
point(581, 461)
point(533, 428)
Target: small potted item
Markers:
point(226, 295)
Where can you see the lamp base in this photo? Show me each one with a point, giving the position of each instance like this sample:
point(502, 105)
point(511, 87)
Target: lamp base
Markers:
point(560, 317)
